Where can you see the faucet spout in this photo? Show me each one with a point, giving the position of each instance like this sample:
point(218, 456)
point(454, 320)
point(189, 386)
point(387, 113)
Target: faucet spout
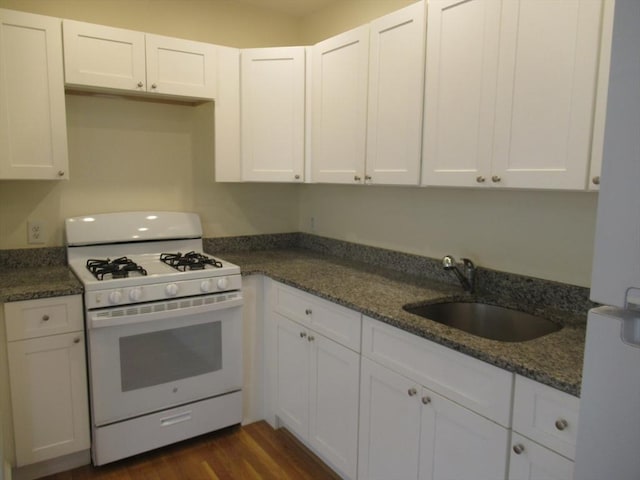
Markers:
point(468, 278)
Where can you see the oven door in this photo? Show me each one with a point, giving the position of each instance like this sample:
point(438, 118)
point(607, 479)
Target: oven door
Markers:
point(148, 357)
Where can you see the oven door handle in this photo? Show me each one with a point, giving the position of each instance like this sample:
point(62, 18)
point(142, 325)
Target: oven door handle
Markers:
point(132, 314)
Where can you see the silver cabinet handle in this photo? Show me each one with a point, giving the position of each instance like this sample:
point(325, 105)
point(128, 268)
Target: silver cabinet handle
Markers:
point(311, 338)
point(412, 391)
point(308, 311)
point(297, 177)
point(45, 318)
point(426, 400)
point(596, 180)
point(356, 178)
point(367, 177)
point(76, 340)
point(61, 173)
point(303, 334)
point(140, 84)
point(154, 86)
point(480, 179)
point(561, 424)
point(518, 448)
point(496, 179)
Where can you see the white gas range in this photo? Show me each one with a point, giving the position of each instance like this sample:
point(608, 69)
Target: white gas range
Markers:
point(164, 328)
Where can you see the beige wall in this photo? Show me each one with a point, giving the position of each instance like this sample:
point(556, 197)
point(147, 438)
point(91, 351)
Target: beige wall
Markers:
point(116, 146)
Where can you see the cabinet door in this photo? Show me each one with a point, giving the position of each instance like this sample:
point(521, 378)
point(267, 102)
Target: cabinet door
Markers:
point(33, 128)
point(49, 397)
point(293, 375)
point(273, 114)
point(460, 91)
point(458, 443)
point(389, 425)
point(546, 91)
point(104, 57)
point(534, 462)
point(180, 67)
point(333, 422)
point(396, 73)
point(339, 115)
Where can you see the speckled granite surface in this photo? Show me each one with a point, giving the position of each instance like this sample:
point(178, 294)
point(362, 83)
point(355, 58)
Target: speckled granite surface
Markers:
point(555, 359)
point(376, 282)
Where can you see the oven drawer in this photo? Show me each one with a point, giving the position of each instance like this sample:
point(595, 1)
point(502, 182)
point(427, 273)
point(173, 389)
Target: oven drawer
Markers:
point(333, 321)
point(43, 317)
point(141, 434)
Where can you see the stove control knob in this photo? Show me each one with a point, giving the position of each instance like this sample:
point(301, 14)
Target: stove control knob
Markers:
point(115, 297)
point(205, 285)
point(223, 283)
point(171, 290)
point(135, 294)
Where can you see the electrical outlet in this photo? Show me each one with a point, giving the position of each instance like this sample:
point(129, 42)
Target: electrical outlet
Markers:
point(36, 232)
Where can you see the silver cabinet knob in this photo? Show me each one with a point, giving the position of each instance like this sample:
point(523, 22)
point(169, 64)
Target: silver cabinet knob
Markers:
point(311, 338)
point(154, 86)
point(61, 173)
point(518, 448)
point(76, 340)
point(596, 180)
point(480, 179)
point(561, 424)
point(496, 179)
point(308, 311)
point(356, 178)
point(412, 392)
point(367, 178)
point(45, 318)
point(297, 177)
point(426, 400)
point(140, 84)
point(303, 334)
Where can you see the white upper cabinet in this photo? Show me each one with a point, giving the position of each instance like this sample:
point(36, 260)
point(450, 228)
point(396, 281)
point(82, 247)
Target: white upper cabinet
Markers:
point(547, 75)
point(33, 129)
point(339, 107)
point(511, 92)
point(273, 114)
point(367, 102)
point(102, 57)
point(396, 85)
point(461, 72)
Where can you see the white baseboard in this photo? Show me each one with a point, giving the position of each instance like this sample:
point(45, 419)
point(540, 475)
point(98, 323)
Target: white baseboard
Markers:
point(49, 467)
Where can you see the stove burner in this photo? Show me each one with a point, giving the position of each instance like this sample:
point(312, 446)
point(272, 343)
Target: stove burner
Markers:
point(118, 268)
point(188, 261)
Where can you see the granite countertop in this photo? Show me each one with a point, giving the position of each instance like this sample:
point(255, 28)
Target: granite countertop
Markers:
point(37, 282)
point(554, 359)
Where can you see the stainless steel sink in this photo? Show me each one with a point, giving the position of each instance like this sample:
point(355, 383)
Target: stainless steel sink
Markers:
point(487, 321)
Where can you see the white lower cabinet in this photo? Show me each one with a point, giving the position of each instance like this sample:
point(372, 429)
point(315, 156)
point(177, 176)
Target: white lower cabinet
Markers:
point(408, 431)
point(47, 370)
point(530, 461)
point(317, 378)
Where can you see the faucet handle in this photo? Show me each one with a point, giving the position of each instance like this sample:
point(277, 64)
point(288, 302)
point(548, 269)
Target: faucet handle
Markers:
point(448, 262)
point(468, 263)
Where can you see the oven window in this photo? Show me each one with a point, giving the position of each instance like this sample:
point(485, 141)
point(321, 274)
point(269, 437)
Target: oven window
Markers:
point(159, 357)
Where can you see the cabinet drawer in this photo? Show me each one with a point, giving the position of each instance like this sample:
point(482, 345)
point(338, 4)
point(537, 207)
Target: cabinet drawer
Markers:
point(546, 415)
point(333, 321)
point(474, 384)
point(42, 317)
point(532, 461)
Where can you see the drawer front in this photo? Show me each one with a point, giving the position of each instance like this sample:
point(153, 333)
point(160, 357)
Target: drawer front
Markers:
point(532, 461)
point(333, 321)
point(42, 317)
point(546, 415)
point(474, 384)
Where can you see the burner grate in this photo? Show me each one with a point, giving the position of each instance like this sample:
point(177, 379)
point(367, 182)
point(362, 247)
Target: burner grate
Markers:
point(118, 268)
point(188, 261)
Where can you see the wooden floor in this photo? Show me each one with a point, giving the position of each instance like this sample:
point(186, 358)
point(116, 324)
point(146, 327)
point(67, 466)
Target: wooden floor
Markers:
point(251, 452)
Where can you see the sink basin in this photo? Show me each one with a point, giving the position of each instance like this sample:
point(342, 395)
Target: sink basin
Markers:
point(487, 321)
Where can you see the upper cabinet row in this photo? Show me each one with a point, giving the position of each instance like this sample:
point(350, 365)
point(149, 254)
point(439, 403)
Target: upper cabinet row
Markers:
point(514, 97)
point(33, 75)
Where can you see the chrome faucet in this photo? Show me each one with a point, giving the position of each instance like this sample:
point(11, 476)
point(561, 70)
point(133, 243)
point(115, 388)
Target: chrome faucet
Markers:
point(468, 279)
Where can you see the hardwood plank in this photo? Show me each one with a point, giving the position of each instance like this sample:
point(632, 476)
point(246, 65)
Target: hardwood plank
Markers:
point(251, 452)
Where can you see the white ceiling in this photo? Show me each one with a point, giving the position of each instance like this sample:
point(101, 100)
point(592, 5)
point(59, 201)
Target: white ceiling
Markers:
point(298, 8)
